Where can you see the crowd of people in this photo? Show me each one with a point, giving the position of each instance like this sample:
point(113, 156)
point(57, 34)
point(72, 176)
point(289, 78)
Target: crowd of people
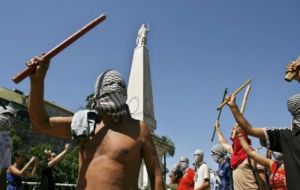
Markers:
point(112, 144)
point(239, 167)
point(245, 168)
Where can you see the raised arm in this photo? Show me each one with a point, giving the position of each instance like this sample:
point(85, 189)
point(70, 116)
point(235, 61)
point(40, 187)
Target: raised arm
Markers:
point(151, 160)
point(59, 156)
point(40, 121)
point(33, 171)
point(267, 163)
point(242, 122)
point(14, 170)
point(222, 139)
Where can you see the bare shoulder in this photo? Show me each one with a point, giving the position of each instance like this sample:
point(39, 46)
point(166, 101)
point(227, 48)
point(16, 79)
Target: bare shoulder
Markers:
point(145, 132)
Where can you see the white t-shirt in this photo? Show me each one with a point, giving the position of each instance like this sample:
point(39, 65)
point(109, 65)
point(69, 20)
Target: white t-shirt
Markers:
point(201, 173)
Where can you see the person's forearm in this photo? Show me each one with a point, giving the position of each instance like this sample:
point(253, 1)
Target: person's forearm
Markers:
point(57, 158)
point(221, 137)
point(223, 141)
point(22, 171)
point(267, 163)
point(36, 108)
point(32, 174)
point(245, 125)
point(240, 119)
point(244, 144)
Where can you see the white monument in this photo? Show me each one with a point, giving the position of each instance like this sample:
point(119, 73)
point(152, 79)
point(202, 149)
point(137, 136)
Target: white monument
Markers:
point(140, 99)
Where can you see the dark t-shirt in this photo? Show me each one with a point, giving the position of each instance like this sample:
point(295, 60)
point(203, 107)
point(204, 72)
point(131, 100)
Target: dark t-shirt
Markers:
point(47, 179)
point(286, 141)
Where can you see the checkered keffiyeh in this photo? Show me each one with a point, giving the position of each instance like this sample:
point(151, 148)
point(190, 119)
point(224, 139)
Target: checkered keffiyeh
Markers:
point(294, 108)
point(110, 95)
point(109, 82)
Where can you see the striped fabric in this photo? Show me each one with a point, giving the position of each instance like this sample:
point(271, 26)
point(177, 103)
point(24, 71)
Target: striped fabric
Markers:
point(110, 95)
point(294, 108)
point(109, 82)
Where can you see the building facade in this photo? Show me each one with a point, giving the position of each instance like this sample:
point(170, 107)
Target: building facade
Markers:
point(17, 100)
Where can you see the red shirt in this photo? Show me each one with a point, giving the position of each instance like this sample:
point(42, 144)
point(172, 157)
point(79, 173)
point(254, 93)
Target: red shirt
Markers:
point(187, 180)
point(277, 177)
point(238, 155)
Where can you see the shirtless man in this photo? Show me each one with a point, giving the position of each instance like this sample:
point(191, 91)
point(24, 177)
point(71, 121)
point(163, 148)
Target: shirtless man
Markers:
point(111, 158)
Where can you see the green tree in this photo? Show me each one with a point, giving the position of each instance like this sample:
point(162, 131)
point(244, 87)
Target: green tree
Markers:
point(66, 169)
point(38, 151)
point(16, 140)
point(170, 152)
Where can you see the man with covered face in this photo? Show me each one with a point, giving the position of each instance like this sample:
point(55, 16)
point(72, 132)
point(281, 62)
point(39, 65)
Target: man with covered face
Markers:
point(284, 140)
point(202, 179)
point(111, 143)
point(182, 175)
point(7, 114)
point(224, 172)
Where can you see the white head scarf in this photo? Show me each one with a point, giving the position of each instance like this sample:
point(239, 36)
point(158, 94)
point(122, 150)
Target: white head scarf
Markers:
point(183, 163)
point(218, 152)
point(198, 157)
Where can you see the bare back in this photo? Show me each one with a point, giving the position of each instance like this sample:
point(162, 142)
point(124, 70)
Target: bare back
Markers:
point(111, 159)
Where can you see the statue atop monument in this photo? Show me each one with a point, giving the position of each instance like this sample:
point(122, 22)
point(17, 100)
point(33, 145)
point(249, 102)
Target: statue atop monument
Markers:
point(141, 39)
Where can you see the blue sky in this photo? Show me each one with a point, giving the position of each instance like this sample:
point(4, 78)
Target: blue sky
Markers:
point(197, 48)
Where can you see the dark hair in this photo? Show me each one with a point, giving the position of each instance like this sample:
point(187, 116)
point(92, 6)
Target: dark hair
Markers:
point(19, 153)
point(178, 174)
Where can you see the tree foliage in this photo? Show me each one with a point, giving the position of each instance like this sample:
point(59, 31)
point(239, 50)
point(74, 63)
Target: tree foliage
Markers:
point(16, 140)
point(66, 169)
point(171, 151)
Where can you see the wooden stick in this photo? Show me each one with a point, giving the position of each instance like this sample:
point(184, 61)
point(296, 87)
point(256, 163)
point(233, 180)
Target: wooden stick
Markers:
point(235, 93)
point(289, 76)
point(53, 52)
point(219, 115)
point(243, 106)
